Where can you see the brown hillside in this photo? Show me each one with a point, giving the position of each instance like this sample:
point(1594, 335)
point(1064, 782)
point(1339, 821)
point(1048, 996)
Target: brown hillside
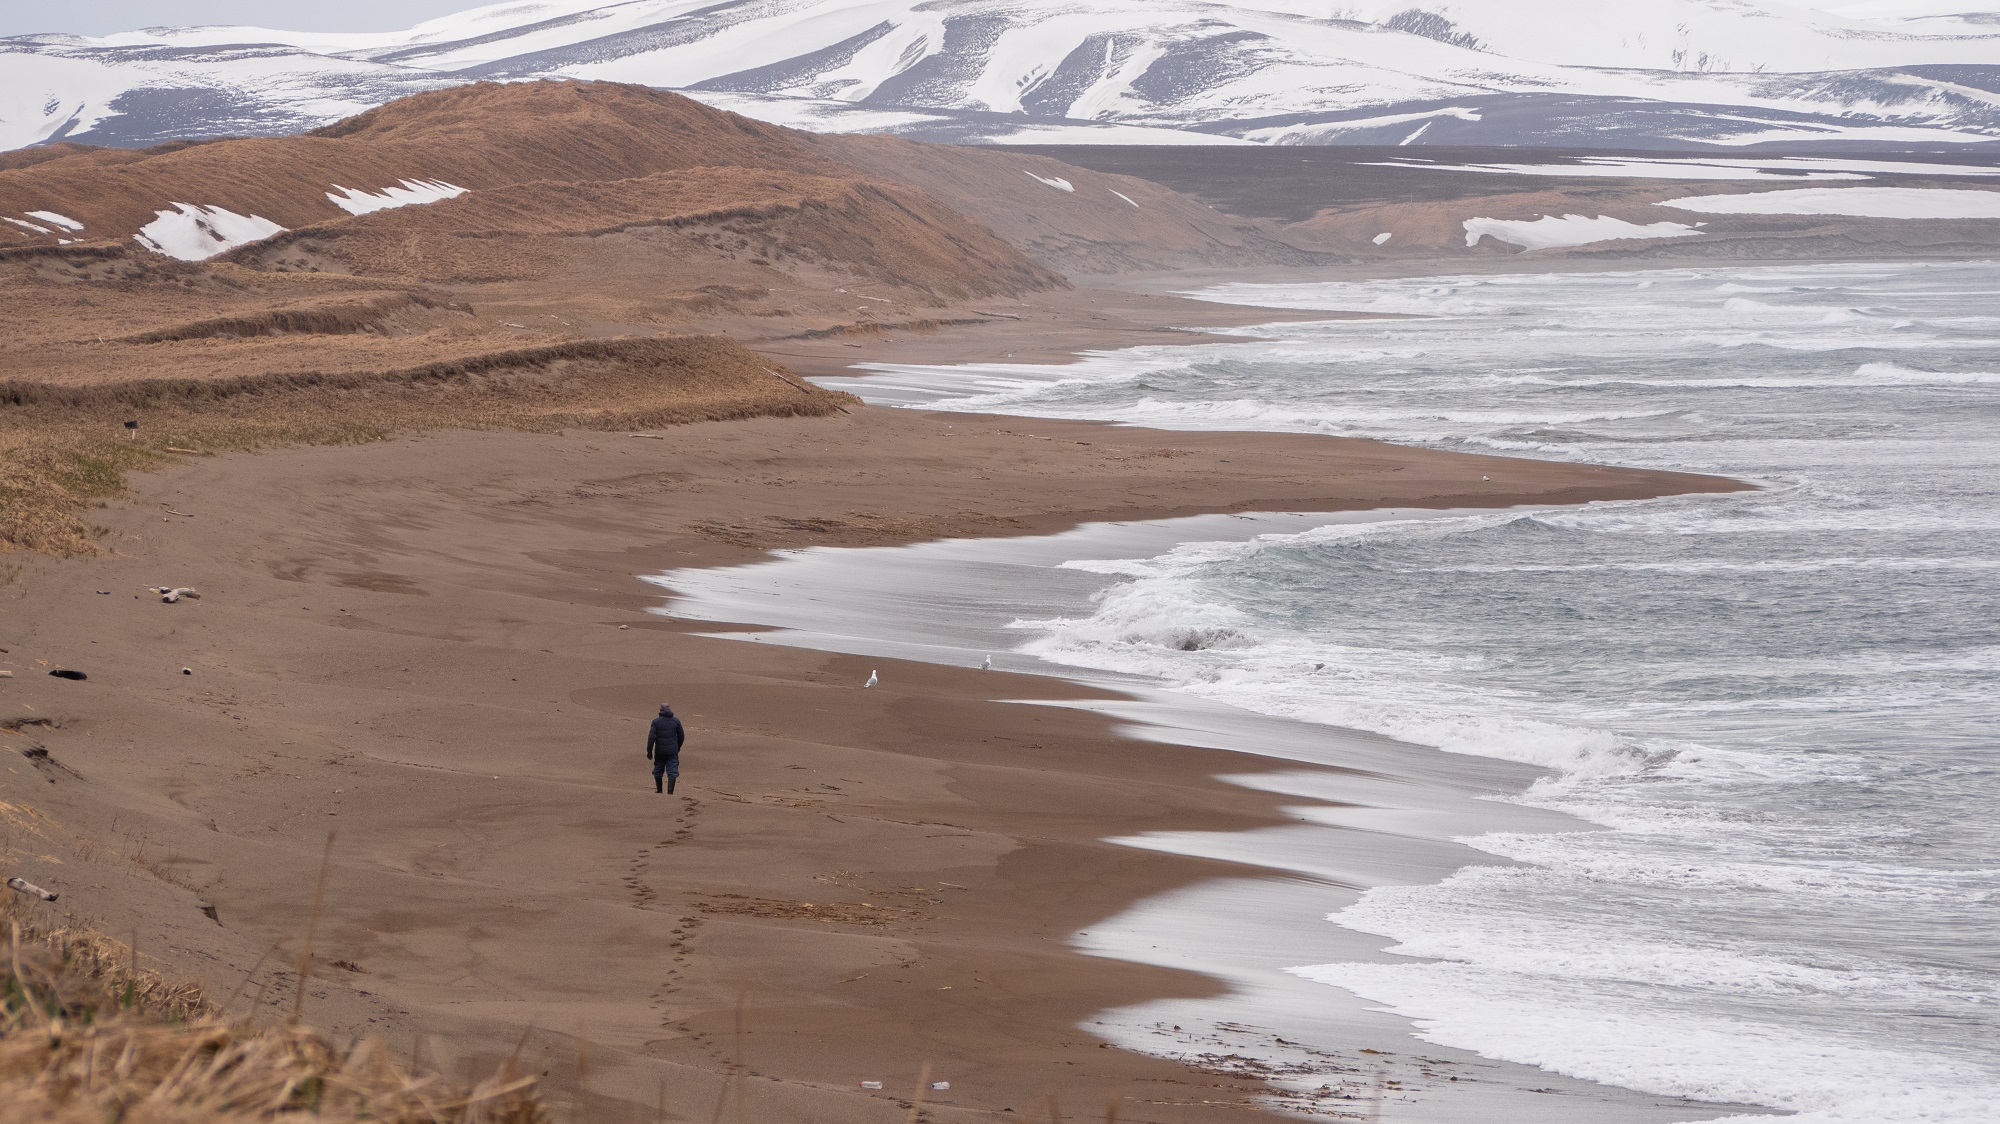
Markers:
point(64, 445)
point(1102, 224)
point(477, 137)
point(489, 135)
point(594, 210)
point(781, 224)
point(604, 226)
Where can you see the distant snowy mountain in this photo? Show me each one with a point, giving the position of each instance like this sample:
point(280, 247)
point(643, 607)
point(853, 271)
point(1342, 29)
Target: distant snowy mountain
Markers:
point(1597, 73)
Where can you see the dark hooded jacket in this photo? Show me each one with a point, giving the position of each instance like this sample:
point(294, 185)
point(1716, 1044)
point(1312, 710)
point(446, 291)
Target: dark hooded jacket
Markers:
point(666, 736)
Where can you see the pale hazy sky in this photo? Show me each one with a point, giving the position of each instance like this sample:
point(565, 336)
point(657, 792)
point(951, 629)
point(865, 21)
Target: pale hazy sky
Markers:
point(96, 17)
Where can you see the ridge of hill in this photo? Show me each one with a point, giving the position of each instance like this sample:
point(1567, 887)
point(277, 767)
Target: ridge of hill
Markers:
point(439, 157)
point(801, 225)
point(471, 137)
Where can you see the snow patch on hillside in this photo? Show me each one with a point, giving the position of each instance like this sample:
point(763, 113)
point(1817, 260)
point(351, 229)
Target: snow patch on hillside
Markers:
point(1057, 182)
point(1858, 202)
point(408, 193)
point(1550, 231)
point(192, 232)
point(54, 219)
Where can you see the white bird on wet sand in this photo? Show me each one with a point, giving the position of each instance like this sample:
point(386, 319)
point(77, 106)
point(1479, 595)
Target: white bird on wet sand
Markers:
point(872, 680)
point(987, 665)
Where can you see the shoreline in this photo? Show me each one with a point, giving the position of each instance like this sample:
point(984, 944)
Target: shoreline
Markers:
point(1097, 313)
point(460, 560)
point(1362, 810)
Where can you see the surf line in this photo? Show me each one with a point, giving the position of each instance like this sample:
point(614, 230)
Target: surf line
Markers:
point(1372, 811)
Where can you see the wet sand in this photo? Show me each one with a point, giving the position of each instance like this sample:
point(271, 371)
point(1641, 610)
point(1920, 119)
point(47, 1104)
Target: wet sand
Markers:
point(440, 649)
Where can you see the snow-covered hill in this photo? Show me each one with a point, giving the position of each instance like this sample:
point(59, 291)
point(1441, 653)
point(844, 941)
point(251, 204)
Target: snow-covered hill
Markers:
point(1601, 73)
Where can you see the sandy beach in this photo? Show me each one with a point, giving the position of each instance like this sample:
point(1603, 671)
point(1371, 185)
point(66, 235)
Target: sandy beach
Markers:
point(438, 650)
point(472, 427)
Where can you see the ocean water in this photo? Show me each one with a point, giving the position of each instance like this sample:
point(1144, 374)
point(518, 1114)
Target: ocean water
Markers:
point(1785, 705)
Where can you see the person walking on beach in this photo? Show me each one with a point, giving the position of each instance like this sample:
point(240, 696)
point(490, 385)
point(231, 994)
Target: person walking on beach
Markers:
point(663, 748)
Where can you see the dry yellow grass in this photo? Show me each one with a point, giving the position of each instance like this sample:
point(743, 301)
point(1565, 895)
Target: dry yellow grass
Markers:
point(64, 448)
point(89, 1035)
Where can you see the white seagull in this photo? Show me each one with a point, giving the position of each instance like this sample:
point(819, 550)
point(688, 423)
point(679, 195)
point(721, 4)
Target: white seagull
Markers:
point(988, 665)
point(872, 680)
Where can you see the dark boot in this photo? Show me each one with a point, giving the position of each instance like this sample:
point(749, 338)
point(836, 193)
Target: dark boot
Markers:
point(656, 782)
point(671, 781)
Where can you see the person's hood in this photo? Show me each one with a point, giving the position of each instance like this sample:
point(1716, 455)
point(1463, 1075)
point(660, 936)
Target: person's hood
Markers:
point(666, 711)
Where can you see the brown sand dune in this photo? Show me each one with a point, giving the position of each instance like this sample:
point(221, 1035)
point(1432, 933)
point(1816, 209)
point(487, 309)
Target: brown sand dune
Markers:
point(390, 314)
point(487, 136)
point(476, 137)
point(52, 296)
point(58, 452)
point(784, 223)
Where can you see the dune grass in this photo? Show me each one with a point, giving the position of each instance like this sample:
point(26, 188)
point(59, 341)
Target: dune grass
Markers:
point(63, 448)
point(89, 1034)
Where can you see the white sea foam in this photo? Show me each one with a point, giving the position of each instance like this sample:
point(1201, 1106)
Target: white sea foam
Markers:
point(1825, 1079)
point(1776, 704)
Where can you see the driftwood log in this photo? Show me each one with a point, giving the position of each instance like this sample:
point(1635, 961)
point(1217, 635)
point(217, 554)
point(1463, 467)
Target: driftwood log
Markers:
point(30, 889)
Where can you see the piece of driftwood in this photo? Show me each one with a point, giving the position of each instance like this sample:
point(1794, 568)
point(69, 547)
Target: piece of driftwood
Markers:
point(32, 890)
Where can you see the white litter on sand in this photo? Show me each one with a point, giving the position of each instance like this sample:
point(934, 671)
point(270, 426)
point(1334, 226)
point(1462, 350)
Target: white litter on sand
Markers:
point(1549, 231)
point(1857, 202)
point(1383, 237)
point(192, 232)
point(1120, 195)
point(54, 219)
point(408, 193)
point(1059, 183)
point(24, 224)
